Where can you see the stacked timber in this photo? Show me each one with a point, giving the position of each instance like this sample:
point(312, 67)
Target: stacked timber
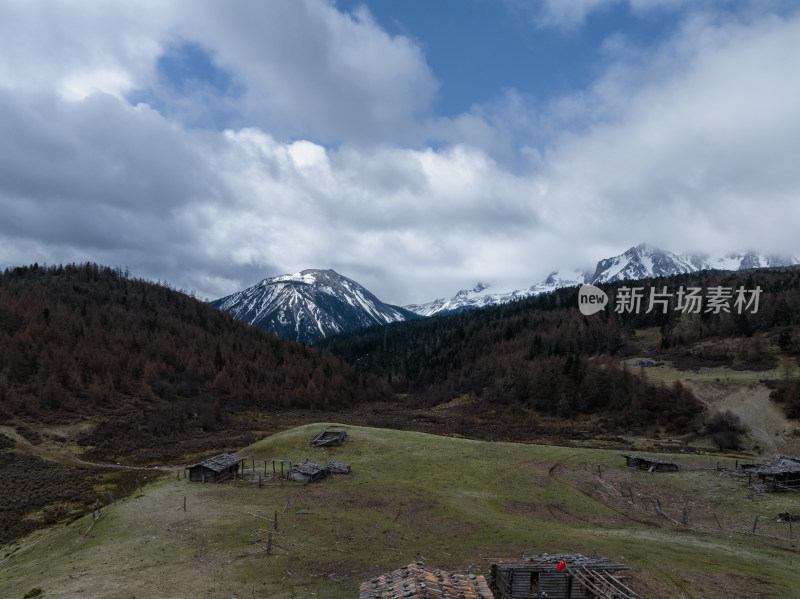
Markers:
point(417, 581)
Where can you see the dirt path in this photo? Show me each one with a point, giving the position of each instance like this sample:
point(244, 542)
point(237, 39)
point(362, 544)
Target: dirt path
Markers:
point(55, 452)
point(40, 451)
point(765, 422)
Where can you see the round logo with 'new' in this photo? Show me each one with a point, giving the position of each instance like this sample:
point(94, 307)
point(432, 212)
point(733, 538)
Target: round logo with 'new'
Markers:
point(591, 299)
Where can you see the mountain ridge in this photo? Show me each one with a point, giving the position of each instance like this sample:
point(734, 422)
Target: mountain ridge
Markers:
point(309, 305)
point(638, 262)
point(314, 304)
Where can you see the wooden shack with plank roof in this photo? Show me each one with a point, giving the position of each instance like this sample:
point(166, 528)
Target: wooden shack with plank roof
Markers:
point(328, 438)
point(580, 577)
point(215, 469)
point(650, 464)
point(782, 474)
point(307, 471)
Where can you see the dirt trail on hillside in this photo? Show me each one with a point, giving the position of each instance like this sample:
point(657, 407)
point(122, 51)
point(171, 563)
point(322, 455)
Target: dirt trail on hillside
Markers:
point(766, 424)
point(26, 446)
point(55, 452)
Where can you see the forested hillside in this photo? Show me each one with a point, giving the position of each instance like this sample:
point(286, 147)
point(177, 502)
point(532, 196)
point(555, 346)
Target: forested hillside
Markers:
point(542, 353)
point(147, 361)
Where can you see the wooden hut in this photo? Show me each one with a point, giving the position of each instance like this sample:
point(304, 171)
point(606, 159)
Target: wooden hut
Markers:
point(581, 577)
point(417, 581)
point(214, 470)
point(328, 438)
point(307, 471)
point(650, 464)
point(782, 474)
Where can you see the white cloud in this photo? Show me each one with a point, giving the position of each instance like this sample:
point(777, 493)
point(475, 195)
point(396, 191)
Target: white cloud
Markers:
point(313, 71)
point(572, 14)
point(417, 210)
point(702, 151)
point(690, 145)
point(569, 13)
point(306, 69)
point(76, 48)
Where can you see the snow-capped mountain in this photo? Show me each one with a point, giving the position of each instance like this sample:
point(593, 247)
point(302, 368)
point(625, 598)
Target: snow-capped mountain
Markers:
point(645, 261)
point(640, 262)
point(748, 260)
point(309, 305)
point(477, 297)
point(312, 304)
point(557, 279)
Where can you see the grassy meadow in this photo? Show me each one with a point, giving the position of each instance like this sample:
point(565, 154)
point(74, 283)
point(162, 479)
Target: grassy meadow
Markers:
point(451, 502)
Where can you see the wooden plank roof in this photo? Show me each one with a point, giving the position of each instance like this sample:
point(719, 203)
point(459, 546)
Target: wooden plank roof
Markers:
point(547, 562)
point(328, 437)
point(783, 465)
point(309, 468)
point(218, 463)
point(648, 460)
point(417, 581)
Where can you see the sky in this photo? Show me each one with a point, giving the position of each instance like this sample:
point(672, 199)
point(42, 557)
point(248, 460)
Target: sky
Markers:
point(415, 146)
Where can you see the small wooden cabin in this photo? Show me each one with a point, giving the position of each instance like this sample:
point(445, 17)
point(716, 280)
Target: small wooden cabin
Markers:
point(216, 469)
point(328, 438)
point(782, 474)
point(417, 581)
point(583, 577)
point(307, 471)
point(650, 464)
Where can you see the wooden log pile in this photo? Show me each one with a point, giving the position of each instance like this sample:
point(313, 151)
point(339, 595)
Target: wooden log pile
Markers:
point(417, 581)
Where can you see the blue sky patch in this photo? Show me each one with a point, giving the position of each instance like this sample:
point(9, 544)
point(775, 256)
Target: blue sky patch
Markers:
point(187, 66)
point(477, 48)
point(185, 73)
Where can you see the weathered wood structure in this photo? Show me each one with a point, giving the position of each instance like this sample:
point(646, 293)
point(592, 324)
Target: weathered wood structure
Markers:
point(581, 577)
point(307, 471)
point(272, 467)
point(255, 470)
point(258, 471)
point(782, 474)
point(650, 464)
point(417, 581)
point(214, 470)
point(328, 438)
point(338, 468)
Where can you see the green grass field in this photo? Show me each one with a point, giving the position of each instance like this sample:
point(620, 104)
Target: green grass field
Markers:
point(664, 371)
point(412, 496)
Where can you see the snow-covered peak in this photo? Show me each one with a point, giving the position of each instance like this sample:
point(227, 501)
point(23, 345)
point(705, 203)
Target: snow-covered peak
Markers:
point(309, 305)
point(479, 297)
point(745, 260)
point(557, 279)
point(467, 293)
point(306, 276)
point(639, 262)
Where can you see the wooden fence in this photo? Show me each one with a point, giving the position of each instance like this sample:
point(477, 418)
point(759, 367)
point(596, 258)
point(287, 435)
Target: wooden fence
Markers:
point(691, 513)
point(259, 471)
